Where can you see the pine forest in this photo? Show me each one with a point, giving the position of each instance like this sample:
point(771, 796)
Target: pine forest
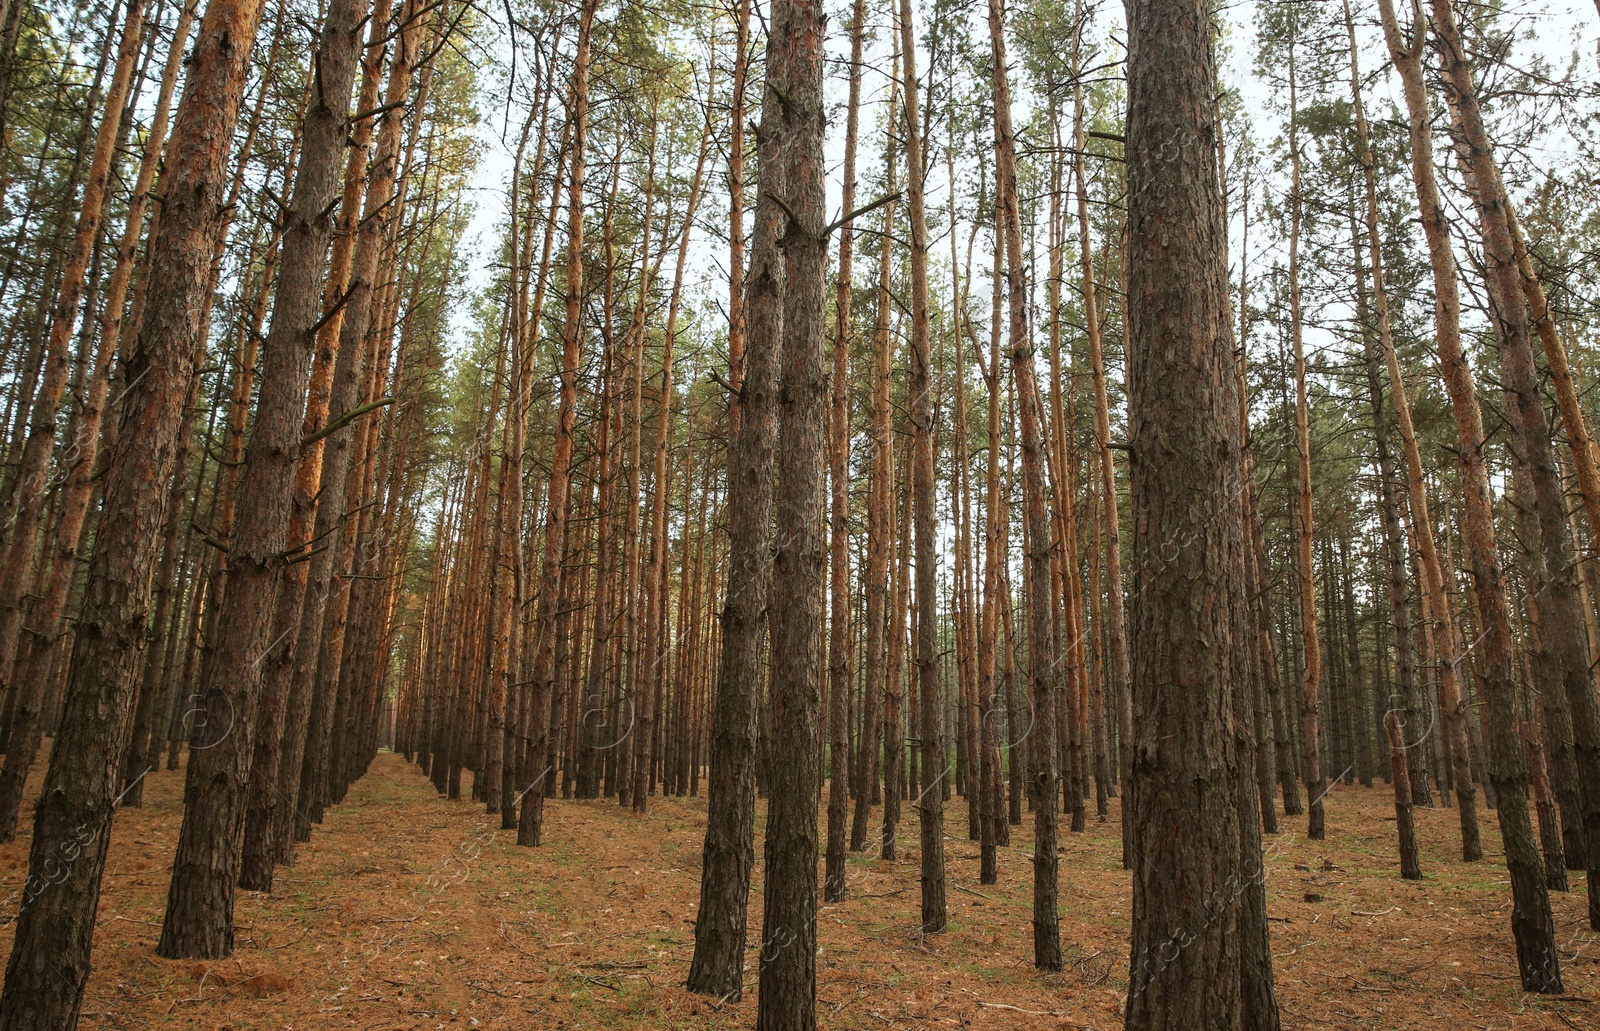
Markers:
point(784, 514)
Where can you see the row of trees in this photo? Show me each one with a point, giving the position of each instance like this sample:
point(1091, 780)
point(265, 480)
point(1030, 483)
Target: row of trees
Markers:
point(254, 268)
point(667, 483)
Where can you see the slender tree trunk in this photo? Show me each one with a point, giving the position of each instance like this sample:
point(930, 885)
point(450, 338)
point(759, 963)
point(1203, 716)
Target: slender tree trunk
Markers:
point(992, 786)
point(1562, 631)
point(894, 735)
point(1400, 713)
point(1305, 569)
point(656, 585)
point(839, 664)
point(631, 574)
point(33, 478)
point(1102, 418)
point(717, 968)
point(536, 730)
point(1267, 721)
point(1394, 541)
point(1407, 58)
point(880, 518)
point(930, 800)
point(1042, 657)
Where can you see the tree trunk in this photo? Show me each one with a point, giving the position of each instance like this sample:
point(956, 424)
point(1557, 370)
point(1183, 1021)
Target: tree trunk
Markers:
point(880, 517)
point(1117, 630)
point(919, 385)
point(1401, 713)
point(720, 926)
point(793, 112)
point(536, 729)
point(341, 510)
point(34, 663)
point(49, 962)
point(221, 780)
point(839, 664)
point(1463, 398)
point(1193, 836)
point(1042, 657)
point(1562, 632)
point(1305, 569)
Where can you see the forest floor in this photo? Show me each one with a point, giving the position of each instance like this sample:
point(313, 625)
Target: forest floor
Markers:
point(408, 911)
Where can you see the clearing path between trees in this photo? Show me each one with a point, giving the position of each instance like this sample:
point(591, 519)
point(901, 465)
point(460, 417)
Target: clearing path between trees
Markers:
point(410, 911)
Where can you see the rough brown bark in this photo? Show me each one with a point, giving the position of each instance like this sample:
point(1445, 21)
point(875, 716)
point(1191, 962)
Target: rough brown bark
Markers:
point(792, 111)
point(305, 581)
point(35, 661)
point(1197, 933)
point(321, 646)
point(49, 962)
point(272, 464)
point(720, 928)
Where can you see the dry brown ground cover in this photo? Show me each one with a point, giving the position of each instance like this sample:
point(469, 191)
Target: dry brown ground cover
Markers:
point(411, 911)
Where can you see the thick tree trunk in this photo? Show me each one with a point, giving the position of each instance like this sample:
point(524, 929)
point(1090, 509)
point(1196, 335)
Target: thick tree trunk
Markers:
point(1192, 833)
point(35, 661)
point(321, 645)
point(221, 781)
point(49, 962)
point(793, 112)
point(305, 580)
